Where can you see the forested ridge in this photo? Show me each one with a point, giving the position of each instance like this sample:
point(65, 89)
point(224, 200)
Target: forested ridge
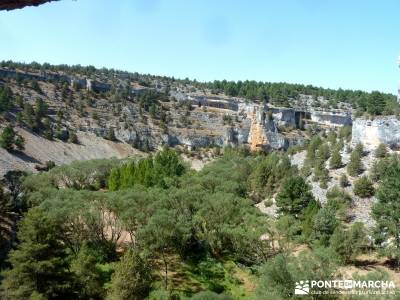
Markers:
point(278, 93)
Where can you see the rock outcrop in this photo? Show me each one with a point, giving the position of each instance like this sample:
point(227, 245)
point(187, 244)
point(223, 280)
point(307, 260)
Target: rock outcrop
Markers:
point(381, 130)
point(263, 133)
point(14, 4)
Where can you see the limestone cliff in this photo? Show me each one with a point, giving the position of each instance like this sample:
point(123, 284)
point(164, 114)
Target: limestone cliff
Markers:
point(371, 133)
point(331, 118)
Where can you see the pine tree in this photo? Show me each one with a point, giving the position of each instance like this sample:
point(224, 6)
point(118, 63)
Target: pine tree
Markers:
point(29, 116)
point(359, 148)
point(323, 152)
point(354, 166)
point(7, 138)
point(363, 187)
point(376, 103)
point(349, 243)
point(72, 137)
point(39, 269)
point(87, 274)
point(336, 159)
point(312, 148)
point(343, 181)
point(386, 212)
point(324, 224)
point(294, 196)
point(6, 96)
point(19, 142)
point(40, 109)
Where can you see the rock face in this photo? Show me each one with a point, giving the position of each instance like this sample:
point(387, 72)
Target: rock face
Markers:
point(371, 133)
point(263, 131)
point(13, 4)
point(331, 118)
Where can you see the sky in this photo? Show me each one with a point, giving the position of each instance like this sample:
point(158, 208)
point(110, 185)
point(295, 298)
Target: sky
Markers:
point(352, 44)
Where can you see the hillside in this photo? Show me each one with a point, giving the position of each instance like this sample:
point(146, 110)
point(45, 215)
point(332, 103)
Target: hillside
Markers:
point(150, 112)
point(147, 187)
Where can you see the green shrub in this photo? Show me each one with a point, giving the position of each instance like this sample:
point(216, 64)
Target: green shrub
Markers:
point(363, 187)
point(348, 244)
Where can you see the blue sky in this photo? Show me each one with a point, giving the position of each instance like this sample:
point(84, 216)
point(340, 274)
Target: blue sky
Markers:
point(330, 43)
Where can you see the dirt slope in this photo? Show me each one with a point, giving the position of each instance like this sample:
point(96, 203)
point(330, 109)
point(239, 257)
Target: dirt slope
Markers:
point(39, 150)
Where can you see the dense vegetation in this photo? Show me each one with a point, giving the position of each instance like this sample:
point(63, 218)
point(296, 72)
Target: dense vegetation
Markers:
point(152, 228)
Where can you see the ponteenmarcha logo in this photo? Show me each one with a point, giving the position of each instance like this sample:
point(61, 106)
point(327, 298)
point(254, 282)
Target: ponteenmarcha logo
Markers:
point(343, 286)
point(302, 287)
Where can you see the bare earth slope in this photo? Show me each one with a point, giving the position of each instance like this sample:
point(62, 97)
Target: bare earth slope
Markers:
point(39, 151)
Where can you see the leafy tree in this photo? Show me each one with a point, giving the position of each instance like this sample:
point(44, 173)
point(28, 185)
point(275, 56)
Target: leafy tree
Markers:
point(294, 196)
point(39, 268)
point(132, 278)
point(363, 187)
point(164, 233)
